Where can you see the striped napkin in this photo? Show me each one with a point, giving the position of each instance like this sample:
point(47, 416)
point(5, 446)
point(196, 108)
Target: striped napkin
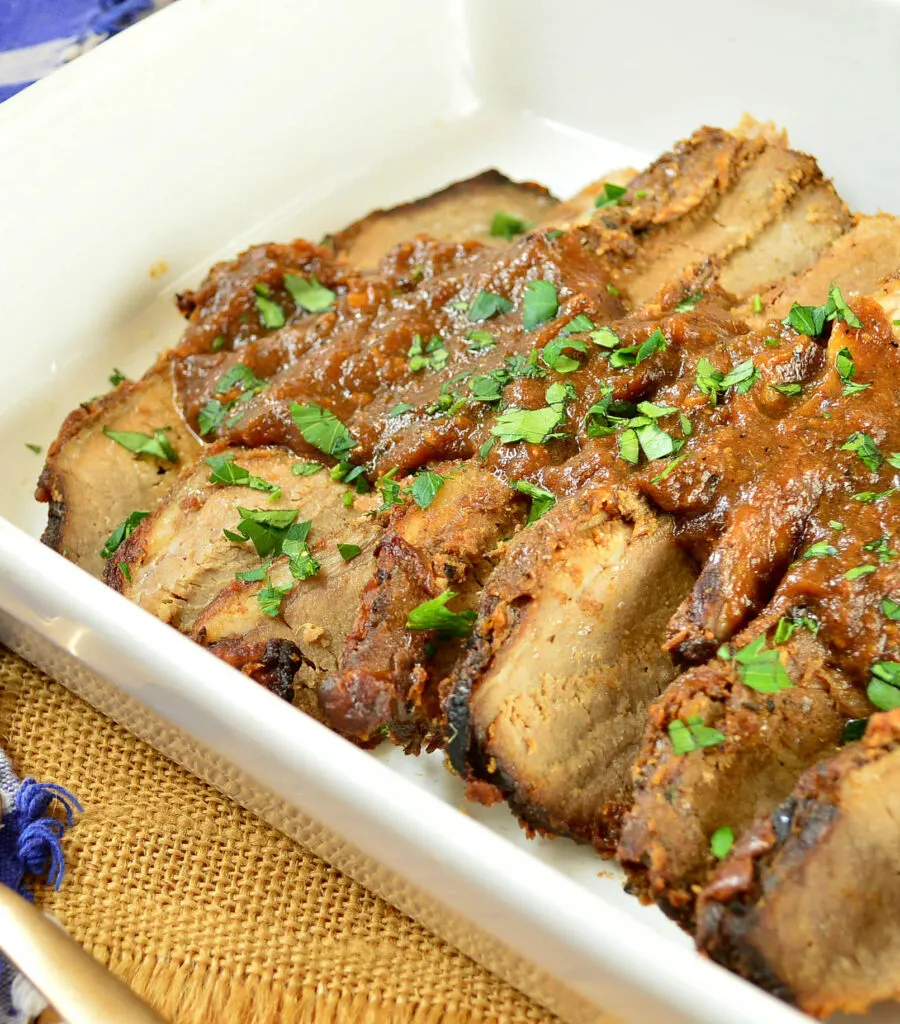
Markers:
point(38, 36)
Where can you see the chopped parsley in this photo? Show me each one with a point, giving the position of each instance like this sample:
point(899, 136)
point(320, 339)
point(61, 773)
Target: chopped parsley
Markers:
point(867, 497)
point(156, 444)
point(323, 430)
point(636, 354)
point(845, 365)
point(218, 343)
point(884, 686)
point(541, 303)
point(226, 471)
point(480, 341)
point(721, 842)
point(534, 426)
point(270, 312)
point(691, 734)
point(239, 376)
point(267, 529)
point(256, 575)
point(881, 547)
point(610, 195)
point(811, 320)
point(488, 387)
point(312, 295)
point(36, 448)
point(430, 355)
point(306, 468)
point(518, 365)
point(270, 598)
point(612, 290)
point(121, 533)
point(300, 559)
point(506, 225)
point(348, 551)
point(791, 389)
point(425, 487)
point(859, 570)
point(435, 614)
point(821, 549)
point(117, 377)
point(486, 305)
point(890, 609)
point(689, 302)
point(854, 729)
point(553, 356)
point(389, 490)
point(542, 500)
point(757, 304)
point(759, 667)
point(787, 627)
point(713, 383)
point(672, 464)
point(399, 409)
point(866, 449)
point(578, 325)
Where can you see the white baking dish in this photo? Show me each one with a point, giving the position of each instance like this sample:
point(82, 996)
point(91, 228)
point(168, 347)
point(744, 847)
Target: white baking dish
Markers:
point(221, 122)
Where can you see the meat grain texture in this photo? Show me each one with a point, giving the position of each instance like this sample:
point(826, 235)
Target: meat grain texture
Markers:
point(576, 494)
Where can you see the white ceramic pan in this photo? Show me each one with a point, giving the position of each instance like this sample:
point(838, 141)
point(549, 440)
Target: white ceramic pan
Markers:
point(218, 123)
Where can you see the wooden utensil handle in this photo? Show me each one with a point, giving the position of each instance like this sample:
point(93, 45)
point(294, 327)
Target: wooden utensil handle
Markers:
point(76, 985)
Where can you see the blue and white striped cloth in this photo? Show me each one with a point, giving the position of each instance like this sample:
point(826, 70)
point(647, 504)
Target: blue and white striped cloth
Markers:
point(38, 36)
point(30, 848)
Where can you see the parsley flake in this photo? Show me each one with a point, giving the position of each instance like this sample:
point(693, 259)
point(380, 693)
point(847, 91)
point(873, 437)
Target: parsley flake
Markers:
point(486, 305)
point(425, 487)
point(156, 445)
point(721, 842)
point(846, 369)
point(306, 468)
point(541, 303)
point(480, 341)
point(884, 686)
point(323, 430)
point(226, 471)
point(435, 614)
point(691, 734)
point(542, 500)
point(611, 194)
point(432, 355)
point(270, 312)
point(36, 448)
point(863, 445)
point(759, 667)
point(117, 377)
point(348, 551)
point(890, 609)
point(506, 225)
point(689, 302)
point(121, 533)
point(311, 295)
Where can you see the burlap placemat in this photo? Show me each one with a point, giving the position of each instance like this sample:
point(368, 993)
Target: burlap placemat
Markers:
point(208, 912)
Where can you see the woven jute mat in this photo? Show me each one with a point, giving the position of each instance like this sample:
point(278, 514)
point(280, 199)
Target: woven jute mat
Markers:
point(209, 913)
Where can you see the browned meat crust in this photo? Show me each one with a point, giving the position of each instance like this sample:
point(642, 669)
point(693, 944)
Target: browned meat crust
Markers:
point(769, 740)
point(386, 668)
point(548, 704)
point(806, 904)
point(272, 663)
point(458, 212)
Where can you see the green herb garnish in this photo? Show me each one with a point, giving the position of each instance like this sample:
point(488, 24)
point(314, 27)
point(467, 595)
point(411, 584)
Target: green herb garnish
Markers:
point(506, 225)
point(866, 449)
point(36, 448)
point(884, 686)
point(117, 377)
point(306, 468)
point(542, 500)
point(312, 295)
point(721, 842)
point(323, 430)
point(759, 667)
point(689, 302)
point(435, 615)
point(541, 303)
point(121, 533)
point(691, 734)
point(425, 487)
point(486, 305)
point(480, 341)
point(348, 551)
point(611, 194)
point(270, 312)
point(226, 471)
point(156, 445)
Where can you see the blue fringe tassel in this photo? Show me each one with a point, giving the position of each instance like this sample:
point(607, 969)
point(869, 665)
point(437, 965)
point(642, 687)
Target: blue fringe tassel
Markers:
point(39, 844)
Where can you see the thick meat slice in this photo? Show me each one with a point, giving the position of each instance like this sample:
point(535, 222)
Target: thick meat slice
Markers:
point(316, 616)
point(789, 244)
point(807, 903)
point(179, 559)
point(548, 706)
point(460, 211)
point(386, 668)
point(856, 261)
point(770, 739)
point(762, 183)
point(93, 483)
